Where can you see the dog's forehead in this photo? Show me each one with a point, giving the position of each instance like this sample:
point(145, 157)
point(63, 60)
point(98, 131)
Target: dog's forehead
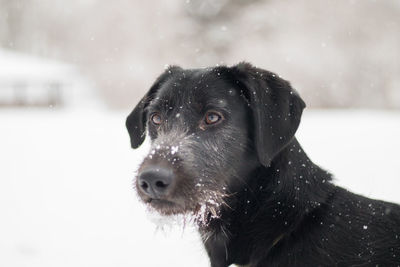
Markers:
point(196, 88)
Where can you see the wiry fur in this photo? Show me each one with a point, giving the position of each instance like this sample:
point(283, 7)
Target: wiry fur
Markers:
point(256, 196)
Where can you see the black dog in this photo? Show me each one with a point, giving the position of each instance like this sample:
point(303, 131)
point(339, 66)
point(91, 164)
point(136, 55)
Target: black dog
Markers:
point(223, 150)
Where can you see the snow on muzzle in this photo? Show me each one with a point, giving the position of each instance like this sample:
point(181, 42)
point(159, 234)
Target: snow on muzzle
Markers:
point(162, 176)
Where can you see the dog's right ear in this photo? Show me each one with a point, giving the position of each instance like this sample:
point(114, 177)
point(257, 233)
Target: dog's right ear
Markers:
point(136, 121)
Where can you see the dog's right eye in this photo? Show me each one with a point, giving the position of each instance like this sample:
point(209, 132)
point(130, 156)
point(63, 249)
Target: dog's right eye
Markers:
point(212, 117)
point(156, 119)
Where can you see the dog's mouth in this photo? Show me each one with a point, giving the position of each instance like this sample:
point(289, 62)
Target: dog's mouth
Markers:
point(202, 214)
point(165, 206)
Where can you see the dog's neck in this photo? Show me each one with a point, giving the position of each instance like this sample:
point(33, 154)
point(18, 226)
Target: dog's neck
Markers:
point(292, 177)
point(274, 200)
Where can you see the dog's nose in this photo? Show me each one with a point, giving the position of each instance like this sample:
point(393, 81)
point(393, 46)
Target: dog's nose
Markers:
point(155, 182)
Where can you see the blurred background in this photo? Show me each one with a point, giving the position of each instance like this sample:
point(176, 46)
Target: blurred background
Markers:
point(336, 53)
point(70, 72)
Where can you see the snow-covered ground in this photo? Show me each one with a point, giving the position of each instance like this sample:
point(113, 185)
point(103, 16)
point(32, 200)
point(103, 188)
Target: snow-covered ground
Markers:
point(66, 197)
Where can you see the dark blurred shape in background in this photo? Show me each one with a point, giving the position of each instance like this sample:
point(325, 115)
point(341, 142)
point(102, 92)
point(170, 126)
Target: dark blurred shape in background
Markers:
point(342, 53)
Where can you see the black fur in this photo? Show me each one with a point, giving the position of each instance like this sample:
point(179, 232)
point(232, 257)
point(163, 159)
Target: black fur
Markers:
point(257, 198)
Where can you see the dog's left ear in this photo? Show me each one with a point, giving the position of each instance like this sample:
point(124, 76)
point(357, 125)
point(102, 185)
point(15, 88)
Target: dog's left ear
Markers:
point(136, 121)
point(275, 105)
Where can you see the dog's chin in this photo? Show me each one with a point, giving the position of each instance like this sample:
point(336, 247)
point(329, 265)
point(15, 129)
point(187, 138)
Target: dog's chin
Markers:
point(165, 207)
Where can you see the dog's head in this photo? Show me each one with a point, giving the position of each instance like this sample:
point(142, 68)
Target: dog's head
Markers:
point(209, 128)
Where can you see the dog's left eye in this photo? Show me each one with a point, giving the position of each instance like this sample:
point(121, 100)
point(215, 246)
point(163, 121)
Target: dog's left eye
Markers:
point(212, 117)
